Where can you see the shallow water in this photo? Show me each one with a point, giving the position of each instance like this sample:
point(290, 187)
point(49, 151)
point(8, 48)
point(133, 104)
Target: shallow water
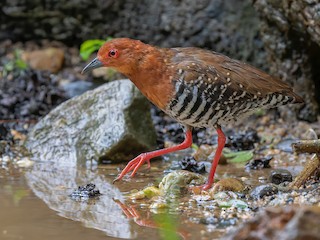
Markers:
point(35, 204)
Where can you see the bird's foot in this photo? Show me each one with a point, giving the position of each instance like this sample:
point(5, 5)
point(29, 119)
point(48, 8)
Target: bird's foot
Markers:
point(199, 189)
point(134, 165)
point(206, 186)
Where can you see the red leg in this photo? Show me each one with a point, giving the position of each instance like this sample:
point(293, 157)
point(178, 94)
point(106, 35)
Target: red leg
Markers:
point(221, 143)
point(137, 162)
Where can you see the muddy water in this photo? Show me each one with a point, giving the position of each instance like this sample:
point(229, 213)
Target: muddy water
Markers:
point(35, 204)
point(25, 216)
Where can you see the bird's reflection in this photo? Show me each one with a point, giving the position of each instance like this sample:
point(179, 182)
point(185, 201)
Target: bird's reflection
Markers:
point(151, 221)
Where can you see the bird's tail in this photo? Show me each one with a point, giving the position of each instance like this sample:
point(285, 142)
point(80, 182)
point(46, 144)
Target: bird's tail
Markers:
point(296, 98)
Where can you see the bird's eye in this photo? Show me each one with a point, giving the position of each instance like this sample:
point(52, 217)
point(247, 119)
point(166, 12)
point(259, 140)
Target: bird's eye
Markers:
point(113, 53)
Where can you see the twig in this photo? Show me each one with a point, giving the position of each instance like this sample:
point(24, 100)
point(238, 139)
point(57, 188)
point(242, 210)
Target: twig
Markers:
point(306, 173)
point(307, 146)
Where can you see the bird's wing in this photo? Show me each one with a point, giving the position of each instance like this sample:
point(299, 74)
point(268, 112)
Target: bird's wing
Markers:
point(237, 76)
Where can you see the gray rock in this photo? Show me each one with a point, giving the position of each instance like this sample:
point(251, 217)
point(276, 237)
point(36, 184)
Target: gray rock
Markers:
point(263, 190)
point(279, 176)
point(111, 122)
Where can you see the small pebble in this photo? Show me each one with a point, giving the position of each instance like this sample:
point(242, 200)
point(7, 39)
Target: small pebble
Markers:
point(84, 193)
point(243, 140)
point(262, 178)
point(144, 205)
point(25, 162)
point(6, 159)
point(190, 164)
point(289, 200)
point(228, 184)
point(209, 220)
point(263, 190)
point(279, 176)
point(243, 179)
point(259, 163)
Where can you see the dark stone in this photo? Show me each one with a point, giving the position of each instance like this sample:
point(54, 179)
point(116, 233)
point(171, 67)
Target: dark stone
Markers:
point(259, 163)
point(111, 122)
point(290, 200)
point(279, 176)
point(291, 34)
point(3, 132)
point(85, 192)
point(285, 223)
point(243, 140)
point(190, 164)
point(263, 190)
point(3, 146)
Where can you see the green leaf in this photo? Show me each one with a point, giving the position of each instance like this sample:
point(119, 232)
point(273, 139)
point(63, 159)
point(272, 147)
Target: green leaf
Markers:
point(224, 204)
point(233, 203)
point(239, 157)
point(238, 203)
point(90, 46)
point(15, 63)
point(22, 65)
point(194, 146)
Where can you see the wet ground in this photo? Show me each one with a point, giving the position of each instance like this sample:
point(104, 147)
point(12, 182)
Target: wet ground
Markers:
point(25, 216)
point(31, 210)
point(36, 200)
point(36, 205)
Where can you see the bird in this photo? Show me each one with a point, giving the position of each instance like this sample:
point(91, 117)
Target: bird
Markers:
point(198, 88)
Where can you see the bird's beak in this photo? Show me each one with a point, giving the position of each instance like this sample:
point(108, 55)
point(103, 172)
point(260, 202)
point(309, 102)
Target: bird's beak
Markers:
point(95, 63)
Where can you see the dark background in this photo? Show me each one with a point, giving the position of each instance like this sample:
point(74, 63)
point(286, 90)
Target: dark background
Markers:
point(281, 37)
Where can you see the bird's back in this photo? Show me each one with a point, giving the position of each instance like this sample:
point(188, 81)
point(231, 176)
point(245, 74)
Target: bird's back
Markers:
point(211, 89)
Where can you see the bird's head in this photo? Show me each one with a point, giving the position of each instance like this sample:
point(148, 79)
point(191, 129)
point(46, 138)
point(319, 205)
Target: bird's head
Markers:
point(122, 54)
